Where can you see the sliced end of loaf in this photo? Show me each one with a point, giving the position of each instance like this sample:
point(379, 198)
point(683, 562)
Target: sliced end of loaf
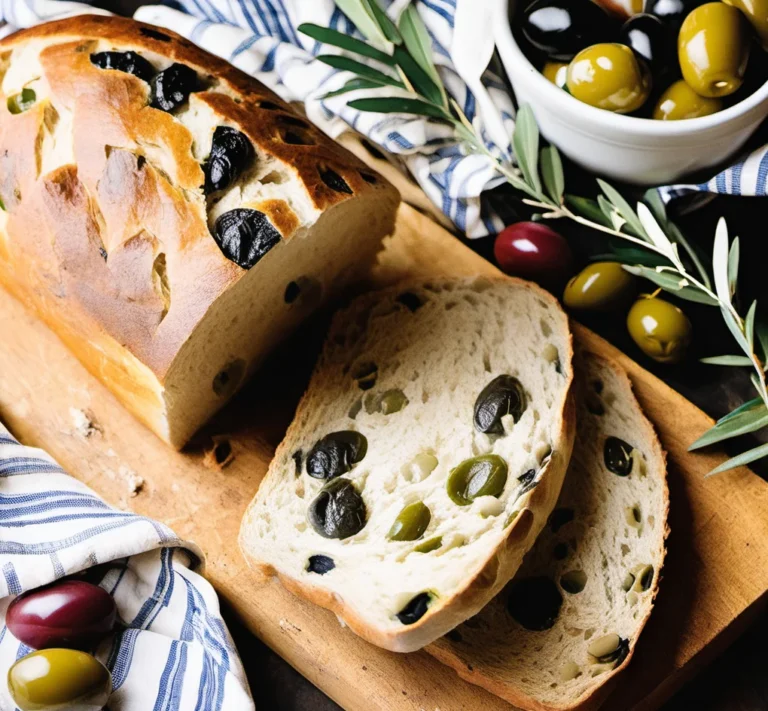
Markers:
point(600, 555)
point(438, 345)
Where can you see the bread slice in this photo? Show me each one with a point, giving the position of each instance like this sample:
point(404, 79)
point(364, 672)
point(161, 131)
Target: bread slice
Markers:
point(170, 274)
point(405, 367)
point(600, 556)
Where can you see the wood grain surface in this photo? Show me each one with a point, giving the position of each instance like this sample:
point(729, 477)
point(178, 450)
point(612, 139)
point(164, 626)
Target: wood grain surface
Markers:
point(716, 572)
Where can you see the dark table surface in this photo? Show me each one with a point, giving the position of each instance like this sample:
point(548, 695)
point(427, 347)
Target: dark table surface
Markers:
point(738, 680)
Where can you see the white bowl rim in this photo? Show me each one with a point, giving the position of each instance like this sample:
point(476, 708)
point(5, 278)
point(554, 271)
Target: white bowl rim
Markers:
point(610, 120)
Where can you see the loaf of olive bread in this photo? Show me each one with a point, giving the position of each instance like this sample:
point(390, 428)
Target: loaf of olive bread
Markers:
point(166, 214)
point(569, 621)
point(424, 459)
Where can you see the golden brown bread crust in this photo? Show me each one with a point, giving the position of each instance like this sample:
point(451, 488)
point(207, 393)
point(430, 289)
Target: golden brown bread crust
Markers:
point(120, 200)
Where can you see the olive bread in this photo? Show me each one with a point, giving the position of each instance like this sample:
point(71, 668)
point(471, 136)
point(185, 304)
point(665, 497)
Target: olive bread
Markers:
point(168, 216)
point(568, 622)
point(424, 459)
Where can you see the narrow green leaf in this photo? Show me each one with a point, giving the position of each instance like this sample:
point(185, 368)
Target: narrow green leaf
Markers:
point(691, 293)
point(338, 39)
point(615, 220)
point(735, 360)
point(354, 85)
point(749, 405)
point(745, 422)
point(733, 265)
point(418, 43)
point(749, 325)
point(735, 329)
point(358, 11)
point(387, 26)
point(652, 198)
point(525, 142)
point(720, 262)
point(671, 281)
point(587, 208)
point(552, 173)
point(742, 459)
point(351, 65)
point(398, 105)
point(656, 234)
point(420, 80)
point(633, 221)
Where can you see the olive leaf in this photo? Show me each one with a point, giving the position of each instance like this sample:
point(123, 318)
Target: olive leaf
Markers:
point(615, 219)
point(733, 266)
point(616, 199)
point(363, 70)
point(552, 173)
point(418, 43)
point(750, 417)
point(749, 325)
point(751, 455)
point(587, 208)
point(359, 12)
point(399, 105)
point(420, 80)
point(385, 24)
point(354, 85)
point(733, 360)
point(672, 281)
point(761, 330)
point(525, 142)
point(351, 44)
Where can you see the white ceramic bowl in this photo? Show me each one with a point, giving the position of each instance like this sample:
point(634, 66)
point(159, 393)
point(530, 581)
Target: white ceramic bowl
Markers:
point(631, 149)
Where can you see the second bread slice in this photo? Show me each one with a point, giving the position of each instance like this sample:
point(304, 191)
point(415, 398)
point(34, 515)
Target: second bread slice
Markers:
point(424, 459)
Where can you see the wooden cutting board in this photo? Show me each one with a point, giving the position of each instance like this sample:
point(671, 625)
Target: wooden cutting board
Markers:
point(715, 577)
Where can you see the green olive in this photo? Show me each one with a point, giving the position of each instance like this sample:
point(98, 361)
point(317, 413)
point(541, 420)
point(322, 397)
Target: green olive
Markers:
point(713, 49)
point(480, 476)
point(601, 286)
point(410, 523)
point(18, 103)
point(431, 544)
point(756, 12)
point(556, 72)
point(679, 101)
point(609, 76)
point(660, 329)
point(59, 678)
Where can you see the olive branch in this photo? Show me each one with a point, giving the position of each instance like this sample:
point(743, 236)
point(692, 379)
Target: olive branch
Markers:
point(400, 57)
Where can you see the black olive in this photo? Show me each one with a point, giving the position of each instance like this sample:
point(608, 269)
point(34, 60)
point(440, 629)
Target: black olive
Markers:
point(335, 454)
point(334, 181)
point(320, 564)
point(292, 292)
point(415, 609)
point(231, 152)
point(154, 34)
point(297, 457)
point(129, 62)
point(534, 603)
point(652, 40)
point(172, 87)
point(527, 481)
point(562, 28)
point(672, 12)
point(245, 236)
point(338, 511)
point(409, 300)
point(559, 517)
point(504, 395)
point(618, 456)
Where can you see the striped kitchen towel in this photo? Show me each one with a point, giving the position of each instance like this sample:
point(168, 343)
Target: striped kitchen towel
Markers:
point(260, 37)
point(172, 651)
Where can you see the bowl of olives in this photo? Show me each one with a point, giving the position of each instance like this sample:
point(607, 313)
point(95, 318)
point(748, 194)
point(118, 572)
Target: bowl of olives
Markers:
point(645, 92)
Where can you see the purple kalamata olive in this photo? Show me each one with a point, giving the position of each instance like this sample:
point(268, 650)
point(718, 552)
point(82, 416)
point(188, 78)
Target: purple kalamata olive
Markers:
point(534, 251)
point(69, 613)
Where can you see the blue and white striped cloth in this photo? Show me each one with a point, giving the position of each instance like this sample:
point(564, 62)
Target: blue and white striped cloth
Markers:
point(172, 651)
point(260, 37)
